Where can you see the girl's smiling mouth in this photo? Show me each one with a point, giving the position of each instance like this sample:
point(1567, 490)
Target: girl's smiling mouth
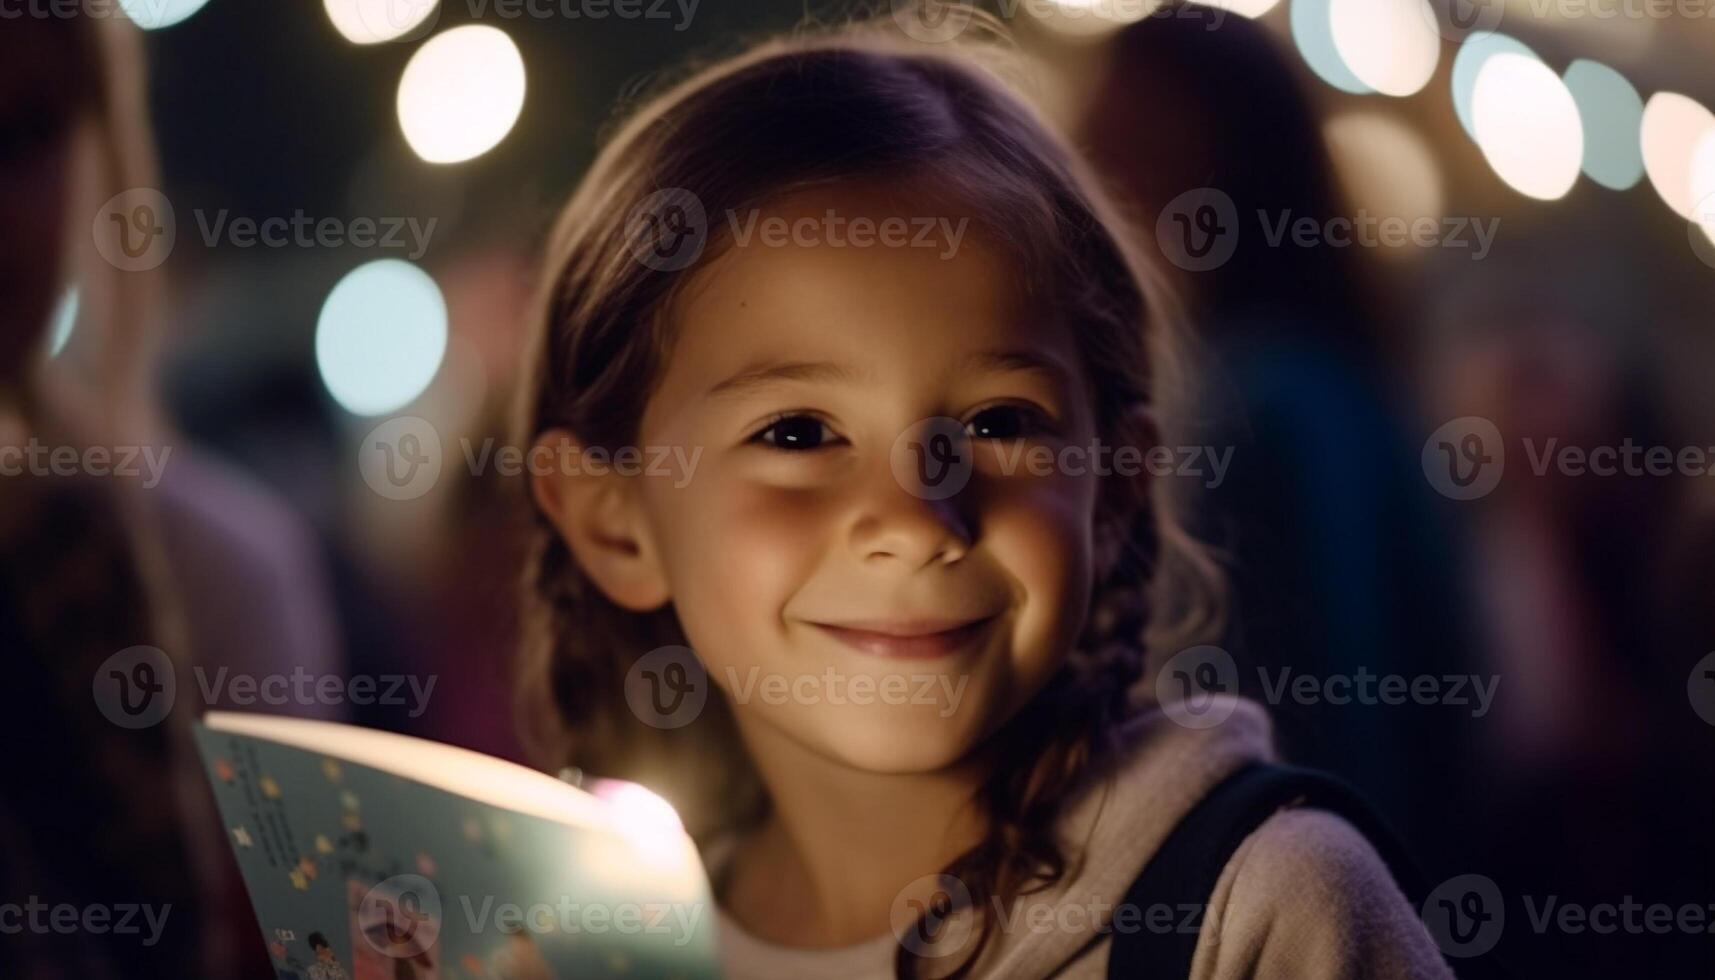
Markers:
point(908, 639)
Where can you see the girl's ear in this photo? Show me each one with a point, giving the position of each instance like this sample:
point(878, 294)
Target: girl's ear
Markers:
point(1126, 491)
point(601, 520)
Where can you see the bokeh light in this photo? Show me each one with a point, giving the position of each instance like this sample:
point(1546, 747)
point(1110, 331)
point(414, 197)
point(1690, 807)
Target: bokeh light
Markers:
point(1244, 8)
point(1703, 185)
point(381, 336)
point(1528, 126)
point(1313, 32)
point(1472, 56)
point(63, 321)
point(461, 93)
point(152, 15)
point(375, 21)
point(1613, 115)
point(1389, 45)
point(1092, 18)
point(1386, 167)
point(1674, 129)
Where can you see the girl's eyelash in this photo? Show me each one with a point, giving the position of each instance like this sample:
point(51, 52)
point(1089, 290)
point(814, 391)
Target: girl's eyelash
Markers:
point(1035, 422)
point(760, 435)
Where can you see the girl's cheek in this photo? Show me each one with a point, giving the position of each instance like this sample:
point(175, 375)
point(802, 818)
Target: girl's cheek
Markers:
point(738, 549)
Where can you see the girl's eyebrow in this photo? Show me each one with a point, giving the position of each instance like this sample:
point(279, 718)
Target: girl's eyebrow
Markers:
point(766, 373)
point(774, 372)
point(1020, 361)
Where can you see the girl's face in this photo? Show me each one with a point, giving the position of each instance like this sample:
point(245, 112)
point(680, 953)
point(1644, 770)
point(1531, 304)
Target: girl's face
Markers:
point(834, 586)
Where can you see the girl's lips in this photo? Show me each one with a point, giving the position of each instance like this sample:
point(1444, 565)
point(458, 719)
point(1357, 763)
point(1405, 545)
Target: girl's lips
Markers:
point(914, 640)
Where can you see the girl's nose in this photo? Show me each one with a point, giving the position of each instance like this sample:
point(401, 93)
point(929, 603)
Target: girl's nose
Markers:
point(892, 522)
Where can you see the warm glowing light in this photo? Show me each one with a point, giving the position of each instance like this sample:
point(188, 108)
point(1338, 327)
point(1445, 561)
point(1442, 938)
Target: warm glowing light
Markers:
point(648, 822)
point(152, 15)
point(1613, 116)
point(461, 93)
point(1313, 32)
point(63, 321)
point(1244, 8)
point(1528, 126)
point(1386, 166)
point(1389, 45)
point(1472, 56)
point(1674, 129)
point(1088, 18)
point(381, 336)
point(374, 21)
point(1703, 185)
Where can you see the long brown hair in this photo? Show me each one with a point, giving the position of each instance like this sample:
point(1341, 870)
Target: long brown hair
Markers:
point(858, 103)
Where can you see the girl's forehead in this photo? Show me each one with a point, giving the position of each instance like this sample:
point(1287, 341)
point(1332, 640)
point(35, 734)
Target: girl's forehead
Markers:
point(860, 280)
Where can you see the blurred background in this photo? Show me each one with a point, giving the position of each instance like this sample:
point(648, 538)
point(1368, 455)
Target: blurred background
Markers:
point(1423, 250)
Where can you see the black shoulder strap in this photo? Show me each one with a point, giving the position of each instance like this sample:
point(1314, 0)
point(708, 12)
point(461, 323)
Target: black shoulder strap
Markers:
point(1185, 869)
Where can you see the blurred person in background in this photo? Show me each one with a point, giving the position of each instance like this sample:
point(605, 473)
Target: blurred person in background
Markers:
point(1323, 516)
point(1594, 589)
point(201, 566)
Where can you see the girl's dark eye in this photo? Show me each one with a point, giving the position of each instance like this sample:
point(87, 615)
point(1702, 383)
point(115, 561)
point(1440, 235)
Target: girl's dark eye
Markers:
point(1005, 422)
point(796, 433)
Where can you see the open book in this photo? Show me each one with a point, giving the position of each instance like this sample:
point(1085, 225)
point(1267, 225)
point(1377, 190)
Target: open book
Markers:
point(374, 856)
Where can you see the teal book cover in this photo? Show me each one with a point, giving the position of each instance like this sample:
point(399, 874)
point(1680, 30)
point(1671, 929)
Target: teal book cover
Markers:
point(372, 856)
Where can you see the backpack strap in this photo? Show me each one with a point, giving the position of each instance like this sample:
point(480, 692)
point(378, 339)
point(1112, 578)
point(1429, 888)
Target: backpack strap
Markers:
point(1188, 864)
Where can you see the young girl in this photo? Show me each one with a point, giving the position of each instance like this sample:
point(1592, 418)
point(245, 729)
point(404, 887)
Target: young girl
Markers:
point(885, 324)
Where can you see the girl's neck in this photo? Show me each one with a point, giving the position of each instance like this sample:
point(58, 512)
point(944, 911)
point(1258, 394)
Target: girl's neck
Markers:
point(840, 845)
